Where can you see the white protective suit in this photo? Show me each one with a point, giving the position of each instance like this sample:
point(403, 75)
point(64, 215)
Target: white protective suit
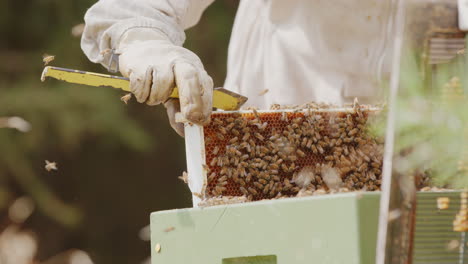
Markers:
point(300, 50)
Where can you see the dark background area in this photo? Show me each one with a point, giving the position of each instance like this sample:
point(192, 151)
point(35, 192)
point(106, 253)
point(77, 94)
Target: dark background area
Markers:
point(117, 163)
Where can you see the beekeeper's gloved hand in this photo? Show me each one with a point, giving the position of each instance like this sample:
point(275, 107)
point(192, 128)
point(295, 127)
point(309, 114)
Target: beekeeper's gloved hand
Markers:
point(156, 66)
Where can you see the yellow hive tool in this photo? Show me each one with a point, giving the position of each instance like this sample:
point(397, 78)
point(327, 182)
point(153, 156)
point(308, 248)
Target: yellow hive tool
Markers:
point(222, 98)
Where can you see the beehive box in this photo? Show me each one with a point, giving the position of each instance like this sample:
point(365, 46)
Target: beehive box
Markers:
point(253, 155)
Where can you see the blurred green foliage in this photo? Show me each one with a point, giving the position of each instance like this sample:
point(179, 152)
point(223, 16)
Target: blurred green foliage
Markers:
point(116, 163)
point(431, 130)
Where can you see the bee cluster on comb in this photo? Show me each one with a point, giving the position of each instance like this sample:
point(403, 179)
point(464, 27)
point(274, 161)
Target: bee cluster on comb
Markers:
point(287, 153)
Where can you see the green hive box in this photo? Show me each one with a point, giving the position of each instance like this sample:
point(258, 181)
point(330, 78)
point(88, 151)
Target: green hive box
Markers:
point(339, 228)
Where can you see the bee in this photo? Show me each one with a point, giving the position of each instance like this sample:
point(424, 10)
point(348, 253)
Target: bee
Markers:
point(215, 150)
point(279, 161)
point(274, 172)
point(230, 119)
point(222, 130)
point(242, 182)
point(220, 136)
point(235, 132)
point(314, 149)
point(297, 120)
point(295, 189)
point(220, 189)
point(266, 189)
point(262, 126)
point(246, 136)
point(230, 126)
point(255, 113)
point(258, 185)
point(244, 157)
point(262, 181)
point(244, 190)
point(212, 177)
point(348, 140)
point(329, 158)
point(292, 158)
point(260, 137)
point(213, 161)
point(276, 178)
point(284, 117)
point(353, 132)
point(233, 140)
point(248, 178)
point(300, 153)
point(263, 92)
point(304, 142)
point(252, 191)
point(46, 58)
point(223, 171)
point(320, 149)
point(292, 167)
point(218, 122)
point(339, 142)
point(375, 165)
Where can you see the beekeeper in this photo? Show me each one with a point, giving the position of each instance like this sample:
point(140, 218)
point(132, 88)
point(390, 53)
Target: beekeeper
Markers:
point(300, 50)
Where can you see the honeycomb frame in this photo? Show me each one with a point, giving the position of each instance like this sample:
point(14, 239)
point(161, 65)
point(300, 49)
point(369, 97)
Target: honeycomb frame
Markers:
point(281, 153)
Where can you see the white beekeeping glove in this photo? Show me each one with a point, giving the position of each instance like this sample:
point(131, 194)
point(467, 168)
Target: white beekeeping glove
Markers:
point(156, 66)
